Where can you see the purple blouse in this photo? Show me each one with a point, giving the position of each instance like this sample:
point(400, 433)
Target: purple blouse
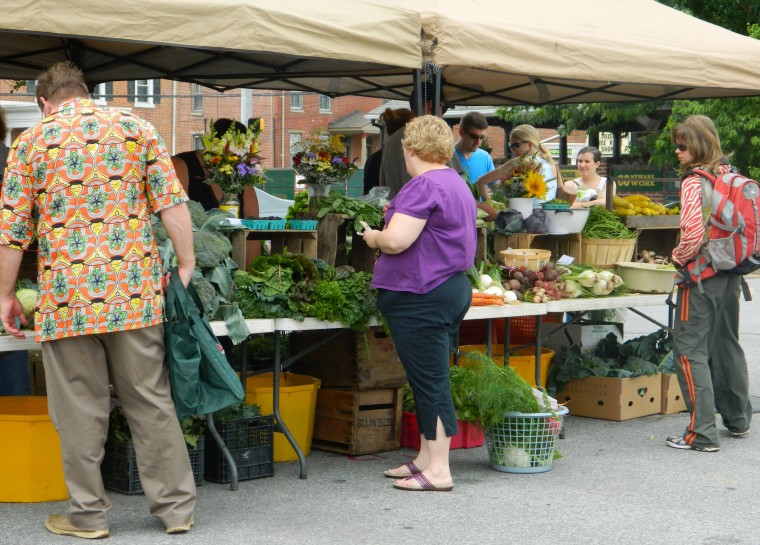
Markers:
point(446, 244)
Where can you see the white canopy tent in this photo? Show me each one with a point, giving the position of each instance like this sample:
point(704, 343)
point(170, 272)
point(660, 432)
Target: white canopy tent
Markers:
point(288, 44)
point(489, 51)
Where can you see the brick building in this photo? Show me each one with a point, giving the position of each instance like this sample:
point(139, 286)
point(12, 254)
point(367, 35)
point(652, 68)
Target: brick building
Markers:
point(182, 112)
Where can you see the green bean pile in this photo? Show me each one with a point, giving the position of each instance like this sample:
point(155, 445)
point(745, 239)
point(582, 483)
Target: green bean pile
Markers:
point(603, 223)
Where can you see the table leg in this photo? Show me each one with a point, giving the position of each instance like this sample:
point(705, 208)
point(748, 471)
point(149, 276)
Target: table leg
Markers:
point(225, 451)
point(539, 333)
point(279, 424)
point(507, 334)
point(489, 337)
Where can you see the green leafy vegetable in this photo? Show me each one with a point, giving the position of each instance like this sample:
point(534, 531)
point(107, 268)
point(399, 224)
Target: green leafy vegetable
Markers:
point(293, 286)
point(634, 358)
point(193, 427)
point(603, 223)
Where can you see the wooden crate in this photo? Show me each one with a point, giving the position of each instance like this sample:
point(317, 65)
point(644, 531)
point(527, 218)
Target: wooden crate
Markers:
point(358, 421)
point(347, 362)
point(296, 242)
point(333, 232)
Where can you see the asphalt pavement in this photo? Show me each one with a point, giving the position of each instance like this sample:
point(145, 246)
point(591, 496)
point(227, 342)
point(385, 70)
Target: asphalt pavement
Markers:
point(617, 483)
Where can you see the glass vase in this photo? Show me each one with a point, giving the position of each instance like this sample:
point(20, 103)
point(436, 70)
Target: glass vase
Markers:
point(230, 203)
point(317, 193)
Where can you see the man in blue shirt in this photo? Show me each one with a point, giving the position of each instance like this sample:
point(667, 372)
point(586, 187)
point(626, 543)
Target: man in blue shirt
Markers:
point(475, 161)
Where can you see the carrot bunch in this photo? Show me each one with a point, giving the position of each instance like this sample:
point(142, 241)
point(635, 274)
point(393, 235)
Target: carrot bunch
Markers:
point(482, 299)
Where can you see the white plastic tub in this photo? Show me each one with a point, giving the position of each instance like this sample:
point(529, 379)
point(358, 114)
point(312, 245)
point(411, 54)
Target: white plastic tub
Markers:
point(646, 277)
point(569, 220)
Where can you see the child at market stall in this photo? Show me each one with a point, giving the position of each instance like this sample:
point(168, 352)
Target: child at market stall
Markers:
point(710, 362)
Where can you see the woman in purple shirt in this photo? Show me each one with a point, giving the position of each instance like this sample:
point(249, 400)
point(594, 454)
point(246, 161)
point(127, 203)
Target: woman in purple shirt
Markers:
point(428, 242)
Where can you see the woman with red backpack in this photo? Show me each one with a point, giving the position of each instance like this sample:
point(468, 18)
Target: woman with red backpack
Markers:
point(710, 362)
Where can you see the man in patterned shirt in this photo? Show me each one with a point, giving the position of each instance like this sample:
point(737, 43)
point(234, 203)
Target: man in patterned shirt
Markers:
point(84, 182)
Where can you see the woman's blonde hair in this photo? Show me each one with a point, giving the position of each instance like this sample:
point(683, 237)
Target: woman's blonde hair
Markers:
point(529, 133)
point(430, 138)
point(699, 133)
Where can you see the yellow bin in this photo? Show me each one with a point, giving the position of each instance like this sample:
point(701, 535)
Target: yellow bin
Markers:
point(298, 406)
point(523, 361)
point(30, 452)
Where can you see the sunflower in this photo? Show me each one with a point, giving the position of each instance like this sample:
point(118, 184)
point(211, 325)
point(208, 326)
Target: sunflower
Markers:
point(535, 185)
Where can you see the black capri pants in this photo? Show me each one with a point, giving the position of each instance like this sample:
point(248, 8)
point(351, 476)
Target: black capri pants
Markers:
point(423, 328)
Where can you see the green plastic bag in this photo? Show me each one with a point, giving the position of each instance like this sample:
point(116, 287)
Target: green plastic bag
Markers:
point(201, 378)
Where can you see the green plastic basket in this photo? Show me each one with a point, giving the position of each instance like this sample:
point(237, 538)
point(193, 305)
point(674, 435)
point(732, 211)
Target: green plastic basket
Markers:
point(256, 225)
point(524, 442)
point(303, 225)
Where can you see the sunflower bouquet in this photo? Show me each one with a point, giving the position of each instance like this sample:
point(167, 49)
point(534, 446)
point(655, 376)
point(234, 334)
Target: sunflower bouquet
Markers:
point(323, 162)
point(233, 160)
point(524, 179)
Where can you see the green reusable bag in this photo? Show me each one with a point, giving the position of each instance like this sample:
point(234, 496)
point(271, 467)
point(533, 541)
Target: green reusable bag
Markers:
point(201, 378)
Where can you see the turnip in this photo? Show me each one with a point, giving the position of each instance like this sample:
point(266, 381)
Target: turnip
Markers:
point(494, 290)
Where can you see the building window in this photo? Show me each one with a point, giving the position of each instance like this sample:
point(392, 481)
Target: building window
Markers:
point(145, 92)
point(103, 92)
point(296, 100)
point(325, 103)
point(197, 97)
point(31, 86)
point(197, 140)
point(295, 138)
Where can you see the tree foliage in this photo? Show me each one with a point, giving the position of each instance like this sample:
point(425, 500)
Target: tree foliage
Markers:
point(735, 15)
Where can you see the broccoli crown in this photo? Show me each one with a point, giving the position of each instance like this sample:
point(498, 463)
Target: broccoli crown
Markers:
point(207, 294)
point(197, 213)
point(210, 249)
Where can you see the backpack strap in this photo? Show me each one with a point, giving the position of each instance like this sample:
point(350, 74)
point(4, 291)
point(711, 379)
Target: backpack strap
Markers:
point(745, 290)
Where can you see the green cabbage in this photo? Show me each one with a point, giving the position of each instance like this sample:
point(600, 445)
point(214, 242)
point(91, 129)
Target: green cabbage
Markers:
point(28, 298)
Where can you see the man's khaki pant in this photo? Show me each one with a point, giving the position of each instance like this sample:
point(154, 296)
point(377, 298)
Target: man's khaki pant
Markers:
point(78, 371)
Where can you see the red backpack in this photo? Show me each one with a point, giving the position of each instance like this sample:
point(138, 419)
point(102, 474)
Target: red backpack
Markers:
point(733, 244)
point(733, 226)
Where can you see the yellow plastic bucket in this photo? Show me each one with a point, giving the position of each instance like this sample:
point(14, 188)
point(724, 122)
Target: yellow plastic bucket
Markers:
point(523, 361)
point(30, 455)
point(298, 405)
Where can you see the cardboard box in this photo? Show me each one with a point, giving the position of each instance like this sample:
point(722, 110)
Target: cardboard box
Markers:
point(358, 421)
point(672, 398)
point(586, 334)
point(613, 398)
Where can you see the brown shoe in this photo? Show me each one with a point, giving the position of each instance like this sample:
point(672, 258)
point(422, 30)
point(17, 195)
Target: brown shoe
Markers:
point(59, 524)
point(181, 529)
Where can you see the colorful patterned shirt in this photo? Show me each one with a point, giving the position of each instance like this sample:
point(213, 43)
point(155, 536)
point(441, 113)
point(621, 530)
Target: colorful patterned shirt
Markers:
point(84, 181)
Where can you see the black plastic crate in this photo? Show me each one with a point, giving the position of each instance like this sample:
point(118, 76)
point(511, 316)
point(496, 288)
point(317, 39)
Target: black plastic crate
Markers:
point(251, 444)
point(119, 467)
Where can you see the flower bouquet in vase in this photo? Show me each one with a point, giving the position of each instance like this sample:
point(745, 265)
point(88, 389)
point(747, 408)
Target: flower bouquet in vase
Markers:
point(322, 162)
point(522, 183)
point(233, 163)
